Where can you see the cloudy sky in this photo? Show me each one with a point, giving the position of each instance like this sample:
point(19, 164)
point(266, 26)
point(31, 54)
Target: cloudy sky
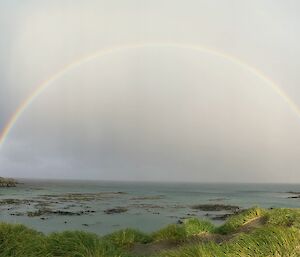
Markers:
point(151, 113)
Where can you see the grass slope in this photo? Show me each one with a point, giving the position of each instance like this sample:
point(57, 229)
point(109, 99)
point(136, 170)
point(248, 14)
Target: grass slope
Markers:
point(254, 232)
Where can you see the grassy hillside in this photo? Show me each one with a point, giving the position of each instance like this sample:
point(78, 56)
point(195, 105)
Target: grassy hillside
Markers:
point(254, 232)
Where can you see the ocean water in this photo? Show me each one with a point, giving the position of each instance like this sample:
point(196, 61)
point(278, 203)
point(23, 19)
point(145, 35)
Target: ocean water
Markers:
point(150, 206)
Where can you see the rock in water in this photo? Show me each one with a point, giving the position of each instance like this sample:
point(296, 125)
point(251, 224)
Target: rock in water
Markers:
point(116, 210)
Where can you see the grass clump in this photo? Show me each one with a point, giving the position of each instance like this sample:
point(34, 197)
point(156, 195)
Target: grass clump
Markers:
point(236, 221)
point(264, 242)
point(171, 232)
point(180, 232)
point(283, 217)
point(127, 237)
point(80, 244)
point(196, 226)
point(18, 240)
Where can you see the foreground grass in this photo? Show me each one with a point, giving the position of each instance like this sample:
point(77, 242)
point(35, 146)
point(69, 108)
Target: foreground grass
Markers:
point(238, 220)
point(190, 227)
point(278, 235)
point(268, 241)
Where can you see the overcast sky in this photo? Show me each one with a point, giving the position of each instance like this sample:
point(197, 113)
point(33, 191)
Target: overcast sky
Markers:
point(153, 113)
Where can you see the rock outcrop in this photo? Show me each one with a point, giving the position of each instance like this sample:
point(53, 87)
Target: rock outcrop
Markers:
point(7, 182)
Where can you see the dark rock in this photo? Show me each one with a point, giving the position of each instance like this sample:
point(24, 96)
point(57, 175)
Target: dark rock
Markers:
point(82, 197)
point(17, 214)
point(46, 211)
point(222, 216)
point(150, 197)
point(294, 197)
point(215, 207)
point(14, 201)
point(116, 210)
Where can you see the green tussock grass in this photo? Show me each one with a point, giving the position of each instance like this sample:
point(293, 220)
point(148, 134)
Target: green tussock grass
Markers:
point(195, 227)
point(283, 217)
point(180, 232)
point(267, 241)
point(236, 221)
point(18, 240)
point(172, 232)
point(278, 235)
point(264, 242)
point(80, 244)
point(127, 237)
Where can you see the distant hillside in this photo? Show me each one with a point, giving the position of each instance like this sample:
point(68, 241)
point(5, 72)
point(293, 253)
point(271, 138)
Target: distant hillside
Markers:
point(7, 182)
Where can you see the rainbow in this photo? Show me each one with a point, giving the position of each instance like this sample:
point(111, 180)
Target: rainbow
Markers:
point(49, 81)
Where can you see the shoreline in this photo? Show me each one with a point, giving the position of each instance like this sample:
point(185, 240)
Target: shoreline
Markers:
point(104, 208)
point(253, 232)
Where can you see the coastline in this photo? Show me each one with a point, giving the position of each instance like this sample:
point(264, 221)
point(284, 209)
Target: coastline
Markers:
point(105, 207)
point(253, 232)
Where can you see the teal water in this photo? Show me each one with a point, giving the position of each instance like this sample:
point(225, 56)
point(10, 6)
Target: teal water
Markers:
point(150, 205)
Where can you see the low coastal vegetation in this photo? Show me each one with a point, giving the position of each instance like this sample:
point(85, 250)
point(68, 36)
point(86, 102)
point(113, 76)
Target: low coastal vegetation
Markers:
point(7, 182)
point(253, 232)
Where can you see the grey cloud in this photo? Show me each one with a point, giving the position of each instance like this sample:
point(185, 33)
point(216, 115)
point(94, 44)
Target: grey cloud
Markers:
point(151, 114)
